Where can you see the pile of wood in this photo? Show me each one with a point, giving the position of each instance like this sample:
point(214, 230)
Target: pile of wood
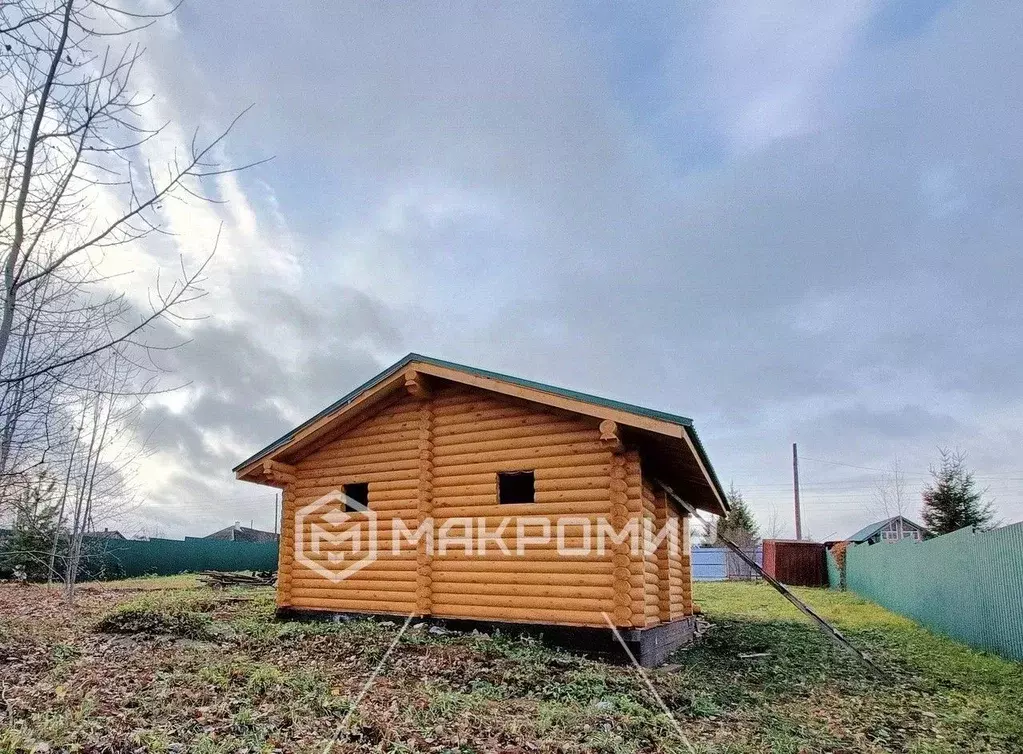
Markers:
point(224, 579)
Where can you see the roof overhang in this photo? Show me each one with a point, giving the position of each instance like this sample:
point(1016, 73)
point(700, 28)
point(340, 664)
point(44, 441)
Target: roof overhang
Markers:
point(669, 441)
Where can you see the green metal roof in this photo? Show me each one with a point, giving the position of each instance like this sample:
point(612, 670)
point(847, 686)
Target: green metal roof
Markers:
point(682, 421)
point(870, 530)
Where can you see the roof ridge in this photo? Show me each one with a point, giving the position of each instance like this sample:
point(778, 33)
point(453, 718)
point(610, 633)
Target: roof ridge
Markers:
point(556, 389)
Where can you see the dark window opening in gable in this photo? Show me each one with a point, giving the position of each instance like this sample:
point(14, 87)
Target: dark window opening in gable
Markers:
point(516, 487)
point(358, 492)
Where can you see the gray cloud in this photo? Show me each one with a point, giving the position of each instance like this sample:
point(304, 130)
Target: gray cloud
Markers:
point(813, 238)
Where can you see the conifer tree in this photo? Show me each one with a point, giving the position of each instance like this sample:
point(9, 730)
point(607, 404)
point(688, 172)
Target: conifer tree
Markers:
point(952, 501)
point(740, 525)
point(33, 533)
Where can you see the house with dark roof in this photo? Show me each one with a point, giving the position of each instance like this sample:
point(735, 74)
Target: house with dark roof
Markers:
point(525, 477)
point(105, 534)
point(238, 533)
point(891, 529)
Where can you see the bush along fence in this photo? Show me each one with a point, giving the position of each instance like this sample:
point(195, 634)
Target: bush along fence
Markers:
point(966, 585)
point(104, 559)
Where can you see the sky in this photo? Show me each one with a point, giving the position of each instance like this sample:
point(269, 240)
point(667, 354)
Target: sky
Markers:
point(790, 221)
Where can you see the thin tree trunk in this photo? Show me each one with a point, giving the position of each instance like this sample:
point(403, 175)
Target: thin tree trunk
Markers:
point(87, 513)
point(74, 552)
point(63, 504)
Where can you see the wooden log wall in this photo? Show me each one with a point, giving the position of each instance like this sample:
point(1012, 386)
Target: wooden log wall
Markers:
point(663, 557)
point(651, 568)
point(680, 569)
point(670, 591)
point(478, 434)
point(686, 564)
point(286, 548)
point(383, 450)
point(424, 552)
point(436, 453)
point(622, 560)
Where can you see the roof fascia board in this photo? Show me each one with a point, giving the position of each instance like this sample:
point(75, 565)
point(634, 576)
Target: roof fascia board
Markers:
point(711, 479)
point(492, 384)
point(678, 427)
point(536, 395)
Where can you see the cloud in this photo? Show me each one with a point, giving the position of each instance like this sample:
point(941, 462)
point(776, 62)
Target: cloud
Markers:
point(789, 222)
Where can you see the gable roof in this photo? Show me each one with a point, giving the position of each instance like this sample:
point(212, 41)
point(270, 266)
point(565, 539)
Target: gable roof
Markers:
point(628, 414)
point(235, 533)
point(105, 534)
point(871, 529)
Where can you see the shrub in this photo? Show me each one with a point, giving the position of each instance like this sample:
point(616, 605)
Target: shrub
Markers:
point(186, 616)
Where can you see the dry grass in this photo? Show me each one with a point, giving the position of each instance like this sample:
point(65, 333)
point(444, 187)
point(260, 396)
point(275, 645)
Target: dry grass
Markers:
point(213, 672)
point(148, 583)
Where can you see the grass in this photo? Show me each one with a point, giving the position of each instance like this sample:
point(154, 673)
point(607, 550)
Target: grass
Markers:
point(146, 583)
point(178, 614)
point(158, 670)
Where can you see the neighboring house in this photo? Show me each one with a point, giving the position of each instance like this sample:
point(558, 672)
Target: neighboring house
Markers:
point(105, 534)
point(239, 533)
point(428, 443)
point(890, 530)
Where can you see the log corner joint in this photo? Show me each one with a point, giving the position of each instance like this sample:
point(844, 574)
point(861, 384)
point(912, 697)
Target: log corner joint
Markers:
point(277, 473)
point(417, 384)
point(611, 436)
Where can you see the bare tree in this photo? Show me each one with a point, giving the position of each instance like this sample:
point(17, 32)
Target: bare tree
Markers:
point(774, 528)
point(79, 193)
point(77, 184)
point(104, 487)
point(72, 133)
point(890, 498)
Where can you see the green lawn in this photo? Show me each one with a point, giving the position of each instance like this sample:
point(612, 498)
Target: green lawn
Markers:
point(192, 670)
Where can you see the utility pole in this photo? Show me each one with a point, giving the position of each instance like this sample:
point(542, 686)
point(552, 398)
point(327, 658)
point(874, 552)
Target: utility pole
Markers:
point(795, 489)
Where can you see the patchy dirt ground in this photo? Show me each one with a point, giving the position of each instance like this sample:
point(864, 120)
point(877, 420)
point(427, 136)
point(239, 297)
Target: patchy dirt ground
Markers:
point(138, 667)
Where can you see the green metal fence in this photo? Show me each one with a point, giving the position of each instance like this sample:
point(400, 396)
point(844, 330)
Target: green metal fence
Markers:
point(834, 571)
point(967, 585)
point(165, 557)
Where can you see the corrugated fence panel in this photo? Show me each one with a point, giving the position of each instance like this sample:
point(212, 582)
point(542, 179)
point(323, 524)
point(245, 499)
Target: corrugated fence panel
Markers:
point(711, 563)
point(834, 572)
point(165, 557)
point(966, 585)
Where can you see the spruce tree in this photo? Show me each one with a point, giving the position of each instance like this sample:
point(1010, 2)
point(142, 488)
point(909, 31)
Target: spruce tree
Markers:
point(952, 501)
point(33, 533)
point(739, 525)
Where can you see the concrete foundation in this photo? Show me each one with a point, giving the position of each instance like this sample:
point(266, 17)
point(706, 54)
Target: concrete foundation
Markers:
point(650, 646)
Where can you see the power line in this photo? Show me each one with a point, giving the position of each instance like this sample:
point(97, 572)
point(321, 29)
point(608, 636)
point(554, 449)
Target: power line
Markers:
point(888, 471)
point(850, 465)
